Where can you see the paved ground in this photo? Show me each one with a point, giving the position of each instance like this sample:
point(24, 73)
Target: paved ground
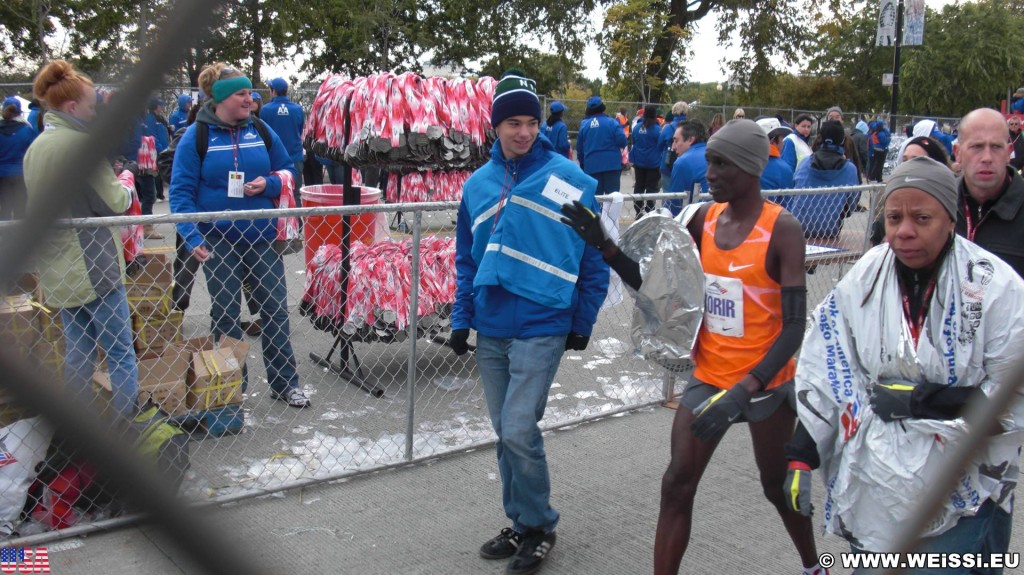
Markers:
point(430, 518)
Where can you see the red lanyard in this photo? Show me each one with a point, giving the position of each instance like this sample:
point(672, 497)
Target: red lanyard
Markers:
point(916, 325)
point(971, 228)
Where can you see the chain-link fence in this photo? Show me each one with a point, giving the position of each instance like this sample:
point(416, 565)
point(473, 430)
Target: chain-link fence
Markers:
point(220, 345)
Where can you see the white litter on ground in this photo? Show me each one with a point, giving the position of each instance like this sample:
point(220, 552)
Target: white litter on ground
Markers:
point(612, 347)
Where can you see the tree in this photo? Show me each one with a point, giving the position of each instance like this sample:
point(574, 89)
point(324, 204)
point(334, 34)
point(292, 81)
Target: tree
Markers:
point(358, 37)
point(462, 31)
point(971, 52)
point(845, 50)
point(631, 32)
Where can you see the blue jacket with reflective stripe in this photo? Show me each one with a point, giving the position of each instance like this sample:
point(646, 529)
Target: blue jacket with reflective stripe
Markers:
point(520, 271)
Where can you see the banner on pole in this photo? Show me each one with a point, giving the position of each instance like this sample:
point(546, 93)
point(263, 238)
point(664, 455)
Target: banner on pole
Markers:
point(886, 24)
point(913, 18)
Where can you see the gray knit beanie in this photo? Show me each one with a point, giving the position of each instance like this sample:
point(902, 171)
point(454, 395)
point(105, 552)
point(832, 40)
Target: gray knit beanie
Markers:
point(743, 143)
point(925, 174)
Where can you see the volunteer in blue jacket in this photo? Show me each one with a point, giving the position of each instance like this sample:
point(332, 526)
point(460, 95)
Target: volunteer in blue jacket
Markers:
point(689, 172)
point(238, 173)
point(157, 126)
point(531, 291)
point(665, 151)
point(599, 146)
point(822, 215)
point(179, 119)
point(286, 118)
point(556, 131)
point(15, 138)
point(777, 174)
point(645, 159)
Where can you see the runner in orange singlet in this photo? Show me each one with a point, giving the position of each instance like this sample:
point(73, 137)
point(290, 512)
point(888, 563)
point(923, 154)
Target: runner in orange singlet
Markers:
point(752, 252)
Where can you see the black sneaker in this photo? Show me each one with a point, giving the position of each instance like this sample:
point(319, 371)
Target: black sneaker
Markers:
point(532, 551)
point(503, 546)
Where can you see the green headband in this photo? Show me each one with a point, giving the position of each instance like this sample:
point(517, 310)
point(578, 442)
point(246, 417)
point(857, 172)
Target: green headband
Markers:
point(224, 88)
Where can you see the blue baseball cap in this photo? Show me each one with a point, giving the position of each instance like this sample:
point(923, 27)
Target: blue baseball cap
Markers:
point(557, 107)
point(278, 85)
point(256, 96)
point(12, 101)
point(595, 102)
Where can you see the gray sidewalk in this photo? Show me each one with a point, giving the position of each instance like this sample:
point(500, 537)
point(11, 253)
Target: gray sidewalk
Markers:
point(430, 518)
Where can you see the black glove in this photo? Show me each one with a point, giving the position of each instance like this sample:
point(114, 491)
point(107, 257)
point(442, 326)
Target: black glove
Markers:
point(717, 413)
point(891, 400)
point(459, 341)
point(586, 223)
point(576, 341)
point(798, 488)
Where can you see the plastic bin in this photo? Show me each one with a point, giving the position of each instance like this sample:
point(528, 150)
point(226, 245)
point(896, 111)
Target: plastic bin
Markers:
point(320, 230)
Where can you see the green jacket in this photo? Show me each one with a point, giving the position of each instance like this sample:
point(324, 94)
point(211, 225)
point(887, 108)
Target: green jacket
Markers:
point(76, 266)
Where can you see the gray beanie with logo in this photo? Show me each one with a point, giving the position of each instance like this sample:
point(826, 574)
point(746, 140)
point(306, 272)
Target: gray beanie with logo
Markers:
point(925, 174)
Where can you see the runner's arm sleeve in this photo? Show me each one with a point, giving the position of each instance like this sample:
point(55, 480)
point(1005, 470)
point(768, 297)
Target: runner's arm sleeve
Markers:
point(794, 319)
point(627, 269)
point(802, 447)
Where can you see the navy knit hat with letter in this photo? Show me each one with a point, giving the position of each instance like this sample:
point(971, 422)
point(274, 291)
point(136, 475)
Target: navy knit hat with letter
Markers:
point(515, 95)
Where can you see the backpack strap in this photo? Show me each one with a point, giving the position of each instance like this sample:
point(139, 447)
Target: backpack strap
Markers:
point(203, 137)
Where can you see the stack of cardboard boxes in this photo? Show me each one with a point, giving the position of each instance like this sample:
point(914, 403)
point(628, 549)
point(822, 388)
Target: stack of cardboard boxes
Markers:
point(155, 323)
point(184, 377)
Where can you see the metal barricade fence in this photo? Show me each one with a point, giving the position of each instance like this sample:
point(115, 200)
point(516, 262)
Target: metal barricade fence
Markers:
point(384, 390)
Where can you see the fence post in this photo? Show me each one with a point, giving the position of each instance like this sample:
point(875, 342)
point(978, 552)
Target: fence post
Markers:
point(414, 306)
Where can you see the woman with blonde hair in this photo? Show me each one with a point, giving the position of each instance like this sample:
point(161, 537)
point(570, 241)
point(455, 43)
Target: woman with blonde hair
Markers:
point(81, 271)
point(717, 121)
point(246, 167)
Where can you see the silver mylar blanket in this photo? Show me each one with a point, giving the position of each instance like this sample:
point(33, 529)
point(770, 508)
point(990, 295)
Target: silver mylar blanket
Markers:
point(670, 304)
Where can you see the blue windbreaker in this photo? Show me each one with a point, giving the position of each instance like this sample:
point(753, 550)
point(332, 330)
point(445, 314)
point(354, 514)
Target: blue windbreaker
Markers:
point(520, 271)
point(192, 191)
point(645, 146)
point(159, 132)
point(179, 119)
point(689, 169)
point(286, 118)
point(821, 215)
point(15, 138)
point(558, 135)
point(665, 142)
point(599, 144)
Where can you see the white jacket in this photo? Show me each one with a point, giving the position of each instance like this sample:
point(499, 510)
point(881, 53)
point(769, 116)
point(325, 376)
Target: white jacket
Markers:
point(875, 473)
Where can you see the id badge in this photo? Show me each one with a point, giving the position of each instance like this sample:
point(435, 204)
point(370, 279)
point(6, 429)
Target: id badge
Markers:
point(236, 184)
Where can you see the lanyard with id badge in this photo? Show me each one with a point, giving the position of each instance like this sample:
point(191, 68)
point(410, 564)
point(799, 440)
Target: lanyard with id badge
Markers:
point(236, 179)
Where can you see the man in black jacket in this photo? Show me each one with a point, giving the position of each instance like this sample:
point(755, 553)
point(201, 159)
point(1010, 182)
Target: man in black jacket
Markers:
point(990, 195)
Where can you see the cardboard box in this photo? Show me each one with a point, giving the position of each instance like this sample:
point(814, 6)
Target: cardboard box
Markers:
point(149, 301)
point(215, 376)
point(19, 324)
point(155, 266)
point(155, 334)
point(161, 378)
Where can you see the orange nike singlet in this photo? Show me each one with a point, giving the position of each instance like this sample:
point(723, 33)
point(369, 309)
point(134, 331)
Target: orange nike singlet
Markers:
point(742, 304)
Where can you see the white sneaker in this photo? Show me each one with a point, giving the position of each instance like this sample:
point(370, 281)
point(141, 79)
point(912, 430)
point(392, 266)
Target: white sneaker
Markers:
point(293, 397)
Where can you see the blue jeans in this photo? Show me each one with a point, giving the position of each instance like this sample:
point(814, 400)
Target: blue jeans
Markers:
point(106, 322)
point(983, 533)
point(608, 182)
point(262, 266)
point(516, 375)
